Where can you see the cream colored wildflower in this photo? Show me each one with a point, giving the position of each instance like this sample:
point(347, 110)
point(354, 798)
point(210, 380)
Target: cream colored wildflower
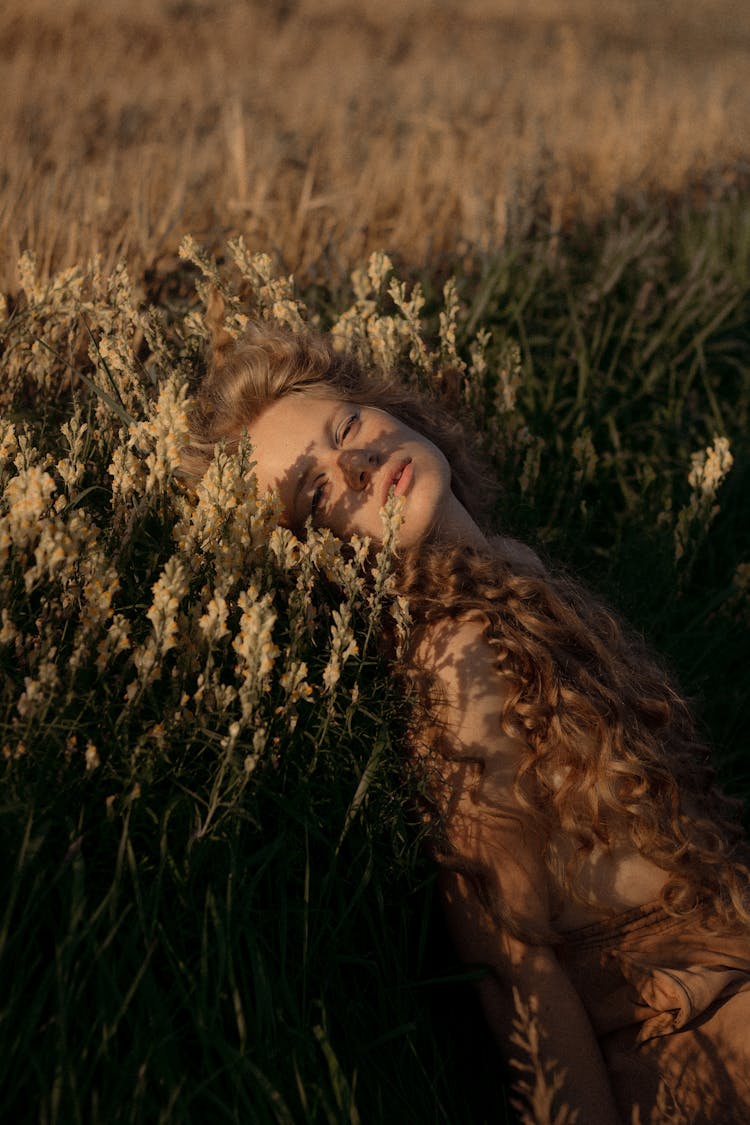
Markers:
point(349, 332)
point(190, 251)
point(28, 495)
point(478, 352)
point(128, 472)
point(64, 551)
point(224, 696)
point(13, 753)
point(213, 623)
point(54, 553)
point(149, 453)
point(122, 296)
point(72, 467)
point(387, 338)
point(274, 295)
point(509, 379)
point(323, 552)
point(378, 268)
point(709, 467)
point(377, 339)
point(39, 692)
point(294, 682)
point(227, 521)
point(391, 517)
point(168, 591)
point(114, 641)
point(27, 455)
point(27, 273)
point(343, 645)
point(347, 570)
point(253, 644)
point(8, 443)
point(8, 632)
point(368, 282)
point(474, 386)
point(116, 374)
point(285, 547)
point(93, 761)
point(411, 308)
point(449, 324)
point(166, 432)
point(170, 429)
point(100, 584)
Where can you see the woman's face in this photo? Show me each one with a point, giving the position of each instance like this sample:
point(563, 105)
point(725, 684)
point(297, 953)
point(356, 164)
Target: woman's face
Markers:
point(337, 462)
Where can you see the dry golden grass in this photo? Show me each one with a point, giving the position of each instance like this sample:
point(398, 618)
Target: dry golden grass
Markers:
point(321, 129)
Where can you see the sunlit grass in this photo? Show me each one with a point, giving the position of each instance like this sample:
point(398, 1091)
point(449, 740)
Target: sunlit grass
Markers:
point(215, 905)
point(320, 132)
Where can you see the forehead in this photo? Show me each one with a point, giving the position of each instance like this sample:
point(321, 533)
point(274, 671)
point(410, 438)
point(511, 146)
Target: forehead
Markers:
point(291, 423)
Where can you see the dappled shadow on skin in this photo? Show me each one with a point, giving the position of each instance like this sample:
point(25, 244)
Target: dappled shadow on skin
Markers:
point(340, 513)
point(667, 999)
point(344, 513)
point(476, 764)
point(692, 1077)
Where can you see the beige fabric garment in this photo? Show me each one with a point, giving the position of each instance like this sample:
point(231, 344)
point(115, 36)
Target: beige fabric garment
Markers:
point(669, 1001)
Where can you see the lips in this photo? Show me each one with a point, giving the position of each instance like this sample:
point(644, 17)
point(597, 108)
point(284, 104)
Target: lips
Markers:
point(399, 479)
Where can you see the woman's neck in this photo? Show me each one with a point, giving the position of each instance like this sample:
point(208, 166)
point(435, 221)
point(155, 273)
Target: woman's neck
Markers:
point(456, 526)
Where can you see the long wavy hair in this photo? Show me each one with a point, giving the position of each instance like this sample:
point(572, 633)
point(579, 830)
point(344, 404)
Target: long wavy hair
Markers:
point(610, 744)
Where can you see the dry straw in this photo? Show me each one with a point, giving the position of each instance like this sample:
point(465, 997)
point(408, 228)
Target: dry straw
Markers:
point(325, 134)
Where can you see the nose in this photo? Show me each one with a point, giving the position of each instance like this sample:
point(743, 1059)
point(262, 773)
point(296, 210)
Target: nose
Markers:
point(357, 466)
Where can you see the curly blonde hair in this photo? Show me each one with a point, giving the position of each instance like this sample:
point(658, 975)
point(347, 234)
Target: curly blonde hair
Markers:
point(608, 738)
point(610, 744)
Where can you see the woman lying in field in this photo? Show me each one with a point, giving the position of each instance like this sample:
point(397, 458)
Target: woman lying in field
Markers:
point(585, 857)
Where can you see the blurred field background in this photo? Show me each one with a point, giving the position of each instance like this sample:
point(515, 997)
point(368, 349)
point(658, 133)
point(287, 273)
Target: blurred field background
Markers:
point(215, 904)
point(324, 129)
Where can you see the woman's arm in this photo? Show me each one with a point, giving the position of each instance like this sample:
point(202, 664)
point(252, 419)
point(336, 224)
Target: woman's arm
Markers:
point(568, 1048)
point(495, 865)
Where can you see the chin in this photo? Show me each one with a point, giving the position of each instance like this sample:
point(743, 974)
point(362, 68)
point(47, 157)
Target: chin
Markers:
point(419, 529)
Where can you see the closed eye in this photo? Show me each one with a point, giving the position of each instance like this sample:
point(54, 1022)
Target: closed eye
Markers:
point(317, 496)
point(345, 428)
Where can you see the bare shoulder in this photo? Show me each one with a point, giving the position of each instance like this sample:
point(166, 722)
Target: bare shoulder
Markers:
point(456, 658)
point(485, 816)
point(455, 654)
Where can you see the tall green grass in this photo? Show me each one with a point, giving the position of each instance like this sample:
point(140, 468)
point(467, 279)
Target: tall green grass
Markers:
point(217, 910)
point(635, 345)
